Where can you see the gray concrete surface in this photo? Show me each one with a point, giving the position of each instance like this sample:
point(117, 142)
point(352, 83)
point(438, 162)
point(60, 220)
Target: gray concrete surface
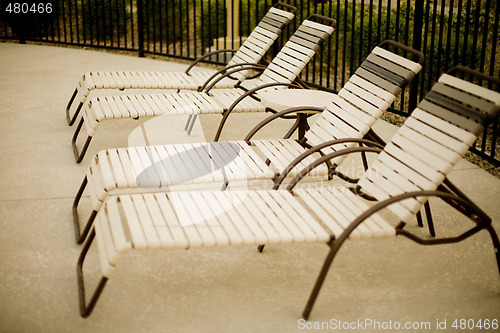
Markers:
point(233, 289)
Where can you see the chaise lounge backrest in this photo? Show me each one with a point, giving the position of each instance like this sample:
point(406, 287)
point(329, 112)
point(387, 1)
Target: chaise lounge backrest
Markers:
point(436, 136)
point(298, 51)
point(370, 90)
point(262, 37)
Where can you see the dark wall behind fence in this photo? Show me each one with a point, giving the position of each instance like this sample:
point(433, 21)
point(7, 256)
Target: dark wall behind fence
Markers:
point(448, 32)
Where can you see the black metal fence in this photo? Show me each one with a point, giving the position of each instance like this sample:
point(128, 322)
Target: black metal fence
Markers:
point(448, 32)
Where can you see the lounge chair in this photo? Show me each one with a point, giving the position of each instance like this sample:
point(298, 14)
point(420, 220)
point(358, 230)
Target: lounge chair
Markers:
point(251, 52)
point(370, 91)
point(409, 170)
point(280, 73)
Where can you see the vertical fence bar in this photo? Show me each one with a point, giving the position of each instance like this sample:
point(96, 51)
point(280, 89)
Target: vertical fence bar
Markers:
point(353, 33)
point(438, 69)
point(140, 28)
point(388, 22)
point(398, 14)
point(94, 23)
point(466, 32)
point(195, 36)
point(112, 24)
point(417, 45)
point(495, 42)
point(457, 36)
point(432, 72)
point(407, 24)
point(482, 60)
point(448, 36)
point(64, 22)
point(477, 14)
point(77, 23)
point(167, 30)
point(117, 16)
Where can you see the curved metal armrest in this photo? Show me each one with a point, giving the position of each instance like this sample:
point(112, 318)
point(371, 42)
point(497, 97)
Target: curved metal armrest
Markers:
point(446, 196)
point(376, 148)
point(332, 22)
point(417, 54)
point(264, 86)
point(471, 72)
point(225, 73)
point(246, 94)
point(298, 109)
point(285, 6)
point(206, 56)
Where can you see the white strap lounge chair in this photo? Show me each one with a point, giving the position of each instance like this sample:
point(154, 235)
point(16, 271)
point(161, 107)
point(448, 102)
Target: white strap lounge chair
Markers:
point(358, 105)
point(410, 169)
point(280, 73)
point(251, 52)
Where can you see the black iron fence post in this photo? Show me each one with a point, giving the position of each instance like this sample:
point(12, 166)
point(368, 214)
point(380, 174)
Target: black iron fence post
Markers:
point(140, 28)
point(417, 45)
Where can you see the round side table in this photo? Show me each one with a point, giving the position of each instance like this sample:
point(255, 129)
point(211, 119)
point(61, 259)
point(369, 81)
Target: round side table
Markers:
point(282, 99)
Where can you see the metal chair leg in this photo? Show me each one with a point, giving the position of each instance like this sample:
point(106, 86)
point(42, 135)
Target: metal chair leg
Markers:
point(496, 244)
point(420, 222)
point(86, 309)
point(71, 100)
point(430, 222)
point(81, 236)
point(70, 119)
point(188, 122)
point(428, 216)
point(79, 155)
point(192, 124)
point(292, 129)
point(334, 248)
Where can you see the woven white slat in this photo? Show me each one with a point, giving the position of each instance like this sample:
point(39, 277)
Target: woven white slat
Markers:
point(373, 88)
point(109, 181)
point(179, 238)
point(358, 102)
point(180, 204)
point(174, 168)
point(438, 136)
point(471, 88)
point(446, 127)
point(298, 215)
point(153, 169)
point(107, 268)
point(232, 154)
point(120, 240)
point(279, 229)
point(430, 157)
point(208, 227)
point(138, 238)
point(95, 187)
point(366, 95)
point(318, 26)
point(433, 146)
point(402, 61)
point(141, 105)
point(235, 237)
point(128, 168)
point(158, 221)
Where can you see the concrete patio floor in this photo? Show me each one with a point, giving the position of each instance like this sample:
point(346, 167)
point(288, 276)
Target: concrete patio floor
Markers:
point(232, 289)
